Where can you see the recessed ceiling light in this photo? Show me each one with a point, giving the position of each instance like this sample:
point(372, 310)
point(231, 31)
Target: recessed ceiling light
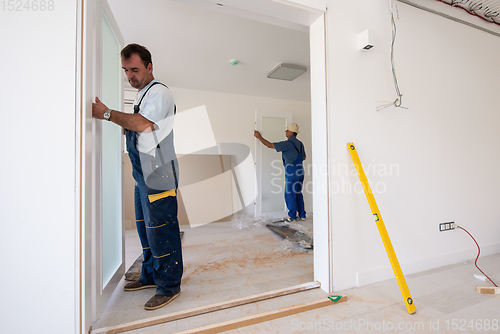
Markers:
point(286, 72)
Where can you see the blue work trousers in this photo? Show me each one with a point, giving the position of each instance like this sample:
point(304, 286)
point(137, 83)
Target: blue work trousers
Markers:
point(158, 229)
point(159, 234)
point(294, 179)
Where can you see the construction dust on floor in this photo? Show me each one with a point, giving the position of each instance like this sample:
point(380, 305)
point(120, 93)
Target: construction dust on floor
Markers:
point(223, 261)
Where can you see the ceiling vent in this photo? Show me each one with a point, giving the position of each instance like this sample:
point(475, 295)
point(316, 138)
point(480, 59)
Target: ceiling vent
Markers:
point(286, 72)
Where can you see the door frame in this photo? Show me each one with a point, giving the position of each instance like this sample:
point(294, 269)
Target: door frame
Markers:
point(323, 265)
point(259, 148)
point(100, 292)
point(89, 161)
point(321, 157)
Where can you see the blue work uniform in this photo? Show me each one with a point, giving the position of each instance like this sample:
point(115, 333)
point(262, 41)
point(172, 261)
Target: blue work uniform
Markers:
point(293, 154)
point(156, 211)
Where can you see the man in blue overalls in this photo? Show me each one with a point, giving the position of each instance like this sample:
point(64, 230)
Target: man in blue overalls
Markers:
point(293, 153)
point(149, 134)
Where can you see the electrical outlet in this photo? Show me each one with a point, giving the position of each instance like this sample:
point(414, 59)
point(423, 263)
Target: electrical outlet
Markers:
point(447, 226)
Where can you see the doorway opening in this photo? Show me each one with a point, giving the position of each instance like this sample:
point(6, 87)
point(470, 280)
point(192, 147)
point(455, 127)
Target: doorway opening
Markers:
point(235, 252)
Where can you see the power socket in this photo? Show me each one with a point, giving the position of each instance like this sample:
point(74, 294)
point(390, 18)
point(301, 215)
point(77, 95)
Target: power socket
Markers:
point(447, 226)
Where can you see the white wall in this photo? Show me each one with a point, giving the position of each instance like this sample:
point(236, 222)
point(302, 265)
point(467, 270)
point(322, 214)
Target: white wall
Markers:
point(232, 118)
point(37, 195)
point(444, 148)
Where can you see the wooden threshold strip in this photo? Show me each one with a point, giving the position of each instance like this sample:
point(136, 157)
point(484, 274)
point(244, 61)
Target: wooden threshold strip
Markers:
point(261, 317)
point(203, 309)
point(488, 290)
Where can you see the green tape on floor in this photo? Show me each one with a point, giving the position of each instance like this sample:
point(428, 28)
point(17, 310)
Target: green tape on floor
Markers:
point(334, 298)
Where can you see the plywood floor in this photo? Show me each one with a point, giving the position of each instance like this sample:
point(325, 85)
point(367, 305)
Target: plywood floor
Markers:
point(222, 263)
point(445, 299)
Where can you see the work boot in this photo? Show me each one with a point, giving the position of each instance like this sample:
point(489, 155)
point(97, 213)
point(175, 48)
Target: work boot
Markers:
point(136, 285)
point(158, 301)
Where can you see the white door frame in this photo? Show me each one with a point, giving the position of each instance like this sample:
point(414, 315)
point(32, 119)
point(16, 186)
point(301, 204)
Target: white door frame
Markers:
point(102, 292)
point(323, 266)
point(323, 247)
point(259, 114)
point(92, 296)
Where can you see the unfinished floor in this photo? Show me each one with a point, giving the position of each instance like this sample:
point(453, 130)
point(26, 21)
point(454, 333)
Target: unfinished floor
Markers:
point(445, 299)
point(223, 261)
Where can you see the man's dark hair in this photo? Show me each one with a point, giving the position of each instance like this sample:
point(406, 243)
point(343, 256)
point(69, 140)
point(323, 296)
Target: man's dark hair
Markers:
point(295, 134)
point(140, 50)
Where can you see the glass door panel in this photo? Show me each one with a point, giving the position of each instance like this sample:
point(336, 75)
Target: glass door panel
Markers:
point(111, 186)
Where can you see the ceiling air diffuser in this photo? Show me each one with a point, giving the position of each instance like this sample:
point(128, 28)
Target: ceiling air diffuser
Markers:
point(286, 72)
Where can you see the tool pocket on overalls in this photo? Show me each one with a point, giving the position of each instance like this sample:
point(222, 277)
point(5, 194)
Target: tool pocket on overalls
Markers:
point(162, 207)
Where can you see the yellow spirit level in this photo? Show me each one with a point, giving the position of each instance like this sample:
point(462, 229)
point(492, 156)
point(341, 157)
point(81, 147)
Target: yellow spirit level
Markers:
point(382, 230)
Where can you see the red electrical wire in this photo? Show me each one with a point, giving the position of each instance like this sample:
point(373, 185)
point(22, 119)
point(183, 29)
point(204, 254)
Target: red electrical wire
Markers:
point(491, 20)
point(477, 257)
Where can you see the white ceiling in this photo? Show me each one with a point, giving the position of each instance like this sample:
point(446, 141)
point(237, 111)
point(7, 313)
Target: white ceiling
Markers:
point(193, 42)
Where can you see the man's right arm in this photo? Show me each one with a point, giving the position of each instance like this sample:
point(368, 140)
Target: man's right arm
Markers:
point(133, 122)
point(262, 140)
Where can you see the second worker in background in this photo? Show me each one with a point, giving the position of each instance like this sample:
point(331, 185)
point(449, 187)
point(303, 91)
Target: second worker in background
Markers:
point(293, 154)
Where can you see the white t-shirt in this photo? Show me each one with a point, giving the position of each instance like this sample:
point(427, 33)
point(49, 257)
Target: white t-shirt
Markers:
point(157, 107)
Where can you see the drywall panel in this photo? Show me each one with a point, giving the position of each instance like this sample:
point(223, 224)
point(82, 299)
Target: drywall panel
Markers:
point(209, 200)
point(37, 196)
point(435, 161)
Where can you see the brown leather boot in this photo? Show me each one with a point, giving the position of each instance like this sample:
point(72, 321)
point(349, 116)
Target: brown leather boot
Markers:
point(158, 301)
point(136, 285)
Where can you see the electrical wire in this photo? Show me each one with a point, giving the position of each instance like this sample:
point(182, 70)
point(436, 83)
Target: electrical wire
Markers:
point(399, 99)
point(450, 17)
point(478, 252)
point(489, 15)
point(474, 7)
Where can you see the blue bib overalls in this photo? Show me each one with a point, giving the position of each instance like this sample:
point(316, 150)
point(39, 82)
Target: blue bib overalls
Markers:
point(294, 178)
point(156, 218)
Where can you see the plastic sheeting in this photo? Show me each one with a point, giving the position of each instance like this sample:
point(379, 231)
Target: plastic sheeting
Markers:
point(299, 237)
